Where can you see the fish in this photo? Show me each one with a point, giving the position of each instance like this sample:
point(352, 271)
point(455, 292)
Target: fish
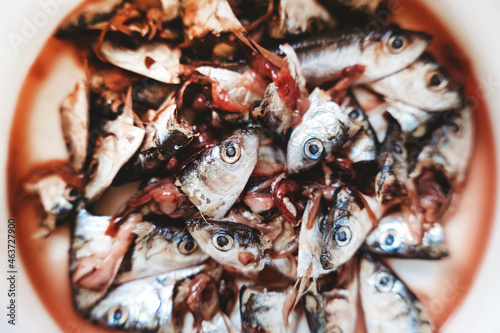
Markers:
point(449, 148)
point(390, 182)
point(268, 310)
point(164, 137)
point(214, 180)
point(160, 247)
point(75, 124)
point(58, 200)
point(393, 238)
point(120, 141)
point(143, 305)
point(382, 53)
point(413, 121)
point(331, 304)
point(388, 304)
point(324, 130)
point(345, 229)
point(296, 17)
point(364, 145)
point(424, 84)
point(95, 257)
point(231, 244)
point(156, 60)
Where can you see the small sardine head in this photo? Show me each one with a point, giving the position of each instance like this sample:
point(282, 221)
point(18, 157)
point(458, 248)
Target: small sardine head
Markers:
point(394, 50)
point(230, 243)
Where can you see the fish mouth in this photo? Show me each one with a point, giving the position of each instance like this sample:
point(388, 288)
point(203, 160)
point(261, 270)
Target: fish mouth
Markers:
point(325, 260)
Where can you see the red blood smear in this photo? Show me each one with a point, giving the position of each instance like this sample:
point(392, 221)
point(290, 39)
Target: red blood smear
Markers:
point(222, 100)
point(149, 62)
point(61, 168)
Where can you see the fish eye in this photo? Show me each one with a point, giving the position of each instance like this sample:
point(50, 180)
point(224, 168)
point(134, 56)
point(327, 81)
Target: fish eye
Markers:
point(397, 149)
point(384, 282)
point(390, 241)
point(117, 107)
point(313, 149)
point(223, 241)
point(71, 193)
point(355, 114)
point(69, 147)
point(456, 127)
point(397, 43)
point(117, 315)
point(435, 80)
point(343, 236)
point(231, 153)
point(93, 168)
point(187, 245)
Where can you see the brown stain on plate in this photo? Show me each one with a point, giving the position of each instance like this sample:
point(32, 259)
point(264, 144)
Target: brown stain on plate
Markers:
point(46, 260)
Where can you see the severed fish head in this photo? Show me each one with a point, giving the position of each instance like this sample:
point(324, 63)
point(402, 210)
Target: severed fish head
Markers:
point(387, 52)
point(388, 304)
point(230, 243)
point(215, 179)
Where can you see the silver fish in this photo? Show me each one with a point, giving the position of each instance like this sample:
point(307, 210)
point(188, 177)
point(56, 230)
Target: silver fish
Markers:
point(413, 121)
point(424, 84)
point(58, 200)
point(390, 182)
point(393, 238)
point(388, 305)
point(381, 52)
point(119, 143)
point(75, 124)
point(346, 230)
point(232, 244)
point(214, 180)
point(450, 148)
point(220, 323)
point(160, 249)
point(270, 311)
point(144, 305)
point(155, 60)
point(95, 258)
point(364, 145)
point(324, 130)
point(300, 16)
point(331, 306)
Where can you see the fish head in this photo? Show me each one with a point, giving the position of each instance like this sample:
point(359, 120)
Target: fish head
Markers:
point(140, 305)
point(393, 50)
point(58, 198)
point(230, 243)
point(324, 130)
point(341, 243)
point(216, 178)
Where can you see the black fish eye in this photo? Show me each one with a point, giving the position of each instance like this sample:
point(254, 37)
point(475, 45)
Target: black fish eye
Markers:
point(397, 43)
point(435, 80)
point(455, 127)
point(69, 147)
point(384, 281)
point(397, 149)
point(231, 153)
point(390, 241)
point(343, 236)
point(117, 316)
point(354, 114)
point(223, 241)
point(187, 245)
point(313, 149)
point(71, 193)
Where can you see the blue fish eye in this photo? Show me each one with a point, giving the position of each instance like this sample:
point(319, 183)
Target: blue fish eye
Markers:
point(117, 316)
point(389, 240)
point(313, 149)
point(354, 114)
